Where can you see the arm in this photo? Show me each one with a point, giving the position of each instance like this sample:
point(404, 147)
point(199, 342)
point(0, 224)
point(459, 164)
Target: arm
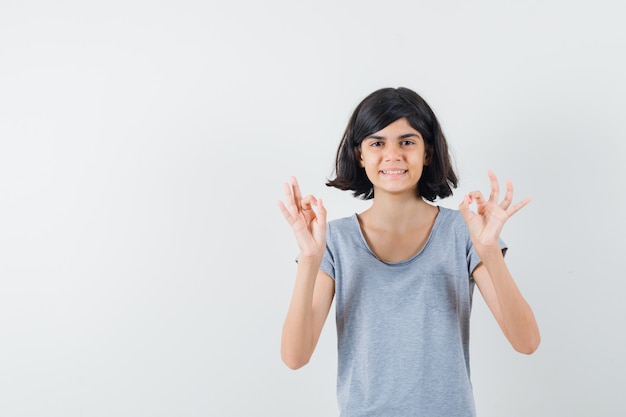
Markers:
point(510, 309)
point(508, 306)
point(310, 304)
point(313, 290)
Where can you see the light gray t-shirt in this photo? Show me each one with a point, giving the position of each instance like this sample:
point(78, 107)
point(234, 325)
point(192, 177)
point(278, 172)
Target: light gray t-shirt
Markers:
point(403, 327)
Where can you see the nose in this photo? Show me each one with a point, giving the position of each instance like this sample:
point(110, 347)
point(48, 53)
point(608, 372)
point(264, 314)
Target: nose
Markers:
point(392, 152)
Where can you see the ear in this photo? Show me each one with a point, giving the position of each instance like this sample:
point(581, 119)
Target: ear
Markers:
point(428, 155)
point(359, 157)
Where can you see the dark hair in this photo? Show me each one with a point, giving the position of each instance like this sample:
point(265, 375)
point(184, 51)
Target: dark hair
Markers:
point(375, 112)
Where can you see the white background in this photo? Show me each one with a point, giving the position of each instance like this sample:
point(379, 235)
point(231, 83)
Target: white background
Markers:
point(145, 268)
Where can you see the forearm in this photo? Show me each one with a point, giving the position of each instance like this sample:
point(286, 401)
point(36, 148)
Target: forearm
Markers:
point(298, 339)
point(517, 319)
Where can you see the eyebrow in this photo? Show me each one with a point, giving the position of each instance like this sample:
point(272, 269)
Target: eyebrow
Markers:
point(406, 135)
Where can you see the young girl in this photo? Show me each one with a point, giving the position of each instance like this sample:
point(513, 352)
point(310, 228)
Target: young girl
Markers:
point(402, 272)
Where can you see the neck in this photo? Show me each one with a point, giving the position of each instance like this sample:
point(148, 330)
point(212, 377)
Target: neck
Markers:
point(398, 212)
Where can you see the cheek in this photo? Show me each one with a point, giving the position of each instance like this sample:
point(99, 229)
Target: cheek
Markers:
point(371, 170)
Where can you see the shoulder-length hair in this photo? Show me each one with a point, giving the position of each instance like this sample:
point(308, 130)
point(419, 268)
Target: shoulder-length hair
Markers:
point(374, 113)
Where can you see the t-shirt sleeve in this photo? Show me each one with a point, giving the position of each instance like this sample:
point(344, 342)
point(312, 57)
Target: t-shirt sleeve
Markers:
point(328, 262)
point(472, 257)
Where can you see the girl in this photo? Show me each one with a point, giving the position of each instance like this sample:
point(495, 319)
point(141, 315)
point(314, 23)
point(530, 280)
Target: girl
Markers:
point(402, 272)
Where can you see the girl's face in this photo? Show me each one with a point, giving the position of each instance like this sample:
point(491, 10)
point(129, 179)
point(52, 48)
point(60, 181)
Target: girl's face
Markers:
point(394, 158)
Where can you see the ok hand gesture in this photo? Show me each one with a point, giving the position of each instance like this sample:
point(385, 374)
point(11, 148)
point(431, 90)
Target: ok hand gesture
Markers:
point(486, 224)
point(307, 218)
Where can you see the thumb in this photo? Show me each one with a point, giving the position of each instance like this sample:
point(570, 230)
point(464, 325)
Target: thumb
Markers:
point(321, 211)
point(464, 208)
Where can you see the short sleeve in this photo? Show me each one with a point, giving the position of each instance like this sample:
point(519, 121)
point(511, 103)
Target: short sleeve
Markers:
point(328, 262)
point(472, 257)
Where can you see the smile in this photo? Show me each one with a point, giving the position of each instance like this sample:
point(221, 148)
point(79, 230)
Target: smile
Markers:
point(395, 172)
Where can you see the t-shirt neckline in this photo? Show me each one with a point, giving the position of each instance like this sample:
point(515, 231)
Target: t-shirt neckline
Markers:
point(355, 221)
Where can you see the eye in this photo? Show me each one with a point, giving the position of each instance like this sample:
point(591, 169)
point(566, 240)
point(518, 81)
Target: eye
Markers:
point(376, 144)
point(407, 142)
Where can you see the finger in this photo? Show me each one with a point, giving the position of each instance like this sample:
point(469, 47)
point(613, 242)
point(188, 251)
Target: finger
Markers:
point(517, 207)
point(508, 196)
point(495, 187)
point(289, 198)
point(464, 208)
point(478, 197)
point(290, 219)
point(307, 204)
point(321, 212)
point(297, 195)
point(320, 221)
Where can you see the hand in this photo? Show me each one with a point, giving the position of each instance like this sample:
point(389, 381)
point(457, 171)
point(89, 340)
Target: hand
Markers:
point(486, 224)
point(308, 224)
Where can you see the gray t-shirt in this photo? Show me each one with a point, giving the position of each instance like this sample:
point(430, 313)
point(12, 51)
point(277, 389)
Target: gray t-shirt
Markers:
point(403, 327)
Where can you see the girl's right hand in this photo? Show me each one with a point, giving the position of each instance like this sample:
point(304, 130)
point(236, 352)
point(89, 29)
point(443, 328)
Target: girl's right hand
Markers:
point(307, 218)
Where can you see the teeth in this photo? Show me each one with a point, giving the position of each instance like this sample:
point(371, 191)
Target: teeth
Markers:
point(394, 172)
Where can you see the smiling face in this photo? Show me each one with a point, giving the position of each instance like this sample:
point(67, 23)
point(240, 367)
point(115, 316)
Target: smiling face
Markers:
point(394, 158)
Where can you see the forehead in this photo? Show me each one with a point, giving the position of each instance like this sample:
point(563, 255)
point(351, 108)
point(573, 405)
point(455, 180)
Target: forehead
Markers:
point(398, 128)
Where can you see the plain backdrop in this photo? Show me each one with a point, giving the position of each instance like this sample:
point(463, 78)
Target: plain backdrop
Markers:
point(145, 269)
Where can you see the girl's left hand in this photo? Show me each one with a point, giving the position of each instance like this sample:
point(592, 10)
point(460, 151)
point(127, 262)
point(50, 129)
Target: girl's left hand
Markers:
point(486, 224)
